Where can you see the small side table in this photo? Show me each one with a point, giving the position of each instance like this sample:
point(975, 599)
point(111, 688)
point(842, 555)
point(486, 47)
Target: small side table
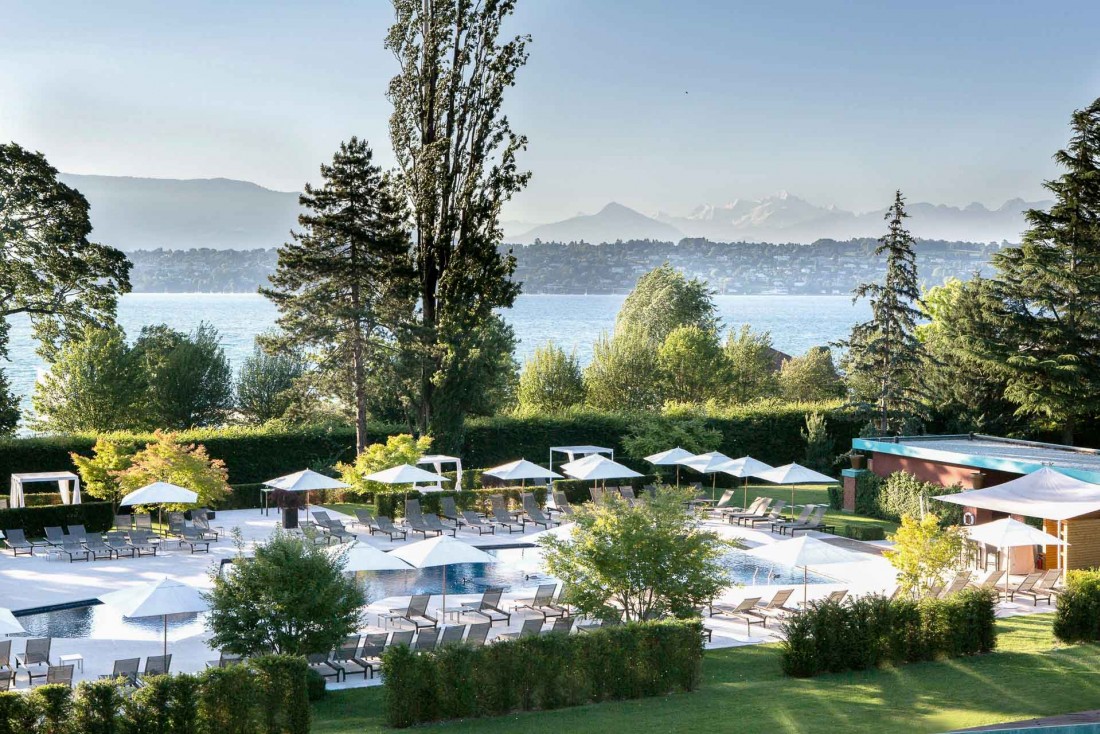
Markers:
point(455, 613)
point(74, 658)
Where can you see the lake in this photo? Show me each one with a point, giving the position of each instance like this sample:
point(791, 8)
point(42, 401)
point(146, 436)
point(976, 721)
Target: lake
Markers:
point(796, 323)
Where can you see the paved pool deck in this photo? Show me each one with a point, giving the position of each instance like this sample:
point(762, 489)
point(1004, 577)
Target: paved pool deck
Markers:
point(35, 582)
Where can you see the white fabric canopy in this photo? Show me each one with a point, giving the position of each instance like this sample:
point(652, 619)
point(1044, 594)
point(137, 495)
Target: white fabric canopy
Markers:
point(803, 552)
point(438, 460)
point(707, 463)
point(68, 484)
point(405, 474)
point(794, 474)
point(9, 625)
point(159, 599)
point(159, 493)
point(442, 550)
point(521, 469)
point(598, 467)
point(670, 457)
point(1010, 533)
point(1045, 493)
point(363, 557)
point(573, 452)
point(306, 480)
point(746, 466)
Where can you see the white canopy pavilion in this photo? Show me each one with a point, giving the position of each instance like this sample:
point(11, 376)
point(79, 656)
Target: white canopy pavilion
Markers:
point(578, 452)
point(67, 483)
point(437, 461)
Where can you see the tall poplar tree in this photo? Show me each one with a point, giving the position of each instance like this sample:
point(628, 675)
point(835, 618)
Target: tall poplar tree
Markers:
point(343, 285)
point(1045, 297)
point(456, 151)
point(884, 353)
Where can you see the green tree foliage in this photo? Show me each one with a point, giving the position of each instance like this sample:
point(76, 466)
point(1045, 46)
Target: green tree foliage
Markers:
point(167, 459)
point(662, 300)
point(344, 285)
point(487, 376)
point(751, 364)
point(9, 407)
point(289, 597)
point(624, 374)
point(49, 269)
point(964, 393)
point(95, 384)
point(265, 384)
point(100, 473)
point(811, 377)
point(819, 444)
point(648, 559)
point(692, 365)
point(1044, 300)
point(884, 353)
point(550, 382)
point(652, 434)
point(924, 553)
point(190, 383)
point(399, 449)
point(456, 152)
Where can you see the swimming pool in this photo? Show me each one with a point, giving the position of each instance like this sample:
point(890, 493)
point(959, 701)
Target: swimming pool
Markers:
point(516, 568)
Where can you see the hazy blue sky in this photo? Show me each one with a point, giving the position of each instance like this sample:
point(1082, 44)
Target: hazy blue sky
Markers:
point(654, 103)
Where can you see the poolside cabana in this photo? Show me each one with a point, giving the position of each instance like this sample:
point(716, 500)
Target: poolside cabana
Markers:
point(1069, 507)
point(437, 461)
point(578, 452)
point(68, 484)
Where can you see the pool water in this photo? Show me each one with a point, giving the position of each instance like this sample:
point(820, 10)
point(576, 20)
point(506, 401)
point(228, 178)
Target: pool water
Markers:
point(516, 568)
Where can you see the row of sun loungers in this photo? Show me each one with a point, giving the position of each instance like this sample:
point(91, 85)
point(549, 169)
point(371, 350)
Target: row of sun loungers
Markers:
point(76, 544)
point(451, 519)
point(36, 662)
point(768, 511)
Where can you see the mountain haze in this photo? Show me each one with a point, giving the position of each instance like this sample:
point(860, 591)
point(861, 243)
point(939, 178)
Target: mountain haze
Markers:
point(613, 222)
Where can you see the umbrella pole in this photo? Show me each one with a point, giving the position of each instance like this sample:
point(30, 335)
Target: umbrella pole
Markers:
point(745, 499)
point(442, 611)
point(166, 634)
point(677, 476)
point(805, 585)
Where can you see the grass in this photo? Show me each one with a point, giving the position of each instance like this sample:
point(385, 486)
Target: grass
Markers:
point(817, 494)
point(1030, 675)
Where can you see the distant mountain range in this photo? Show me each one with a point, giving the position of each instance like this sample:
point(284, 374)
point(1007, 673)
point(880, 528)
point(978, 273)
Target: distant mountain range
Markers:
point(784, 218)
point(218, 213)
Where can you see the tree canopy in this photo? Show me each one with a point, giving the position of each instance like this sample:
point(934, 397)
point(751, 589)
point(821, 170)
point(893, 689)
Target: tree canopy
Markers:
point(188, 378)
point(551, 381)
point(662, 300)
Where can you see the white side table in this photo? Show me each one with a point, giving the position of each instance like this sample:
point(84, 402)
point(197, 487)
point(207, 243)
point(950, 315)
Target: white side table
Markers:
point(74, 658)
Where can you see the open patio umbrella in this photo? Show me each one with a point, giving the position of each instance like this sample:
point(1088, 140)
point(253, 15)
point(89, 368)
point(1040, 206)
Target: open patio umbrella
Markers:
point(521, 470)
point(159, 493)
point(363, 557)
point(793, 474)
point(442, 551)
point(597, 468)
point(306, 481)
point(708, 463)
point(745, 467)
point(1010, 533)
point(672, 457)
point(9, 625)
point(406, 474)
point(803, 552)
point(159, 599)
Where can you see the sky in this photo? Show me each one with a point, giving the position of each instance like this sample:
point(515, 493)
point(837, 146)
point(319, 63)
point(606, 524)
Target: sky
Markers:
point(656, 104)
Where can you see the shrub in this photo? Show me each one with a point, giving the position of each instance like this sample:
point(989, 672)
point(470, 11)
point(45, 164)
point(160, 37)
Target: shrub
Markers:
point(635, 660)
point(97, 706)
point(863, 532)
point(1077, 618)
point(225, 700)
point(836, 497)
point(873, 630)
point(97, 517)
point(868, 488)
point(283, 695)
point(903, 494)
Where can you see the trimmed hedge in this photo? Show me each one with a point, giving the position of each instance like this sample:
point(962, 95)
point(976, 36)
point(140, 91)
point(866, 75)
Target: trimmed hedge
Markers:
point(863, 532)
point(96, 517)
point(1077, 617)
point(265, 696)
point(636, 660)
point(830, 637)
point(392, 505)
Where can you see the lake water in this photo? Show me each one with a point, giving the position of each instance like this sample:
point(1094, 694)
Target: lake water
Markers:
point(796, 323)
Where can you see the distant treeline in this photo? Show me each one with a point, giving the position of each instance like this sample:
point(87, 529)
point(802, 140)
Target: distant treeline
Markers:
point(826, 266)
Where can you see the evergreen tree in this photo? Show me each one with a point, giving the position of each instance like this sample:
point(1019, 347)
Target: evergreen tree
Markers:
point(551, 381)
point(343, 285)
point(95, 384)
point(884, 353)
point(1044, 301)
point(662, 300)
point(456, 151)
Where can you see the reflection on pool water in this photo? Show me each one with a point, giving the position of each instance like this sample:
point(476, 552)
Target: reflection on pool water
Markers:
point(516, 568)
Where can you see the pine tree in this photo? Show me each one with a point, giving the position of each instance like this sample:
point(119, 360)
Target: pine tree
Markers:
point(1045, 296)
point(344, 284)
point(884, 353)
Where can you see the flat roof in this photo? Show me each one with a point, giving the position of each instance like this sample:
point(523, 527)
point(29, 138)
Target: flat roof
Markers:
point(990, 452)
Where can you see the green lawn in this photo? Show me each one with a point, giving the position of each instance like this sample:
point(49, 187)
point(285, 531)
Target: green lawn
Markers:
point(1030, 675)
point(817, 494)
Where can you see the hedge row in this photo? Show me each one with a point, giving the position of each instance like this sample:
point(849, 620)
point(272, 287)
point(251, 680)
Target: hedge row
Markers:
point(96, 517)
point(636, 660)
point(266, 696)
point(1077, 618)
point(393, 505)
point(901, 494)
point(872, 630)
